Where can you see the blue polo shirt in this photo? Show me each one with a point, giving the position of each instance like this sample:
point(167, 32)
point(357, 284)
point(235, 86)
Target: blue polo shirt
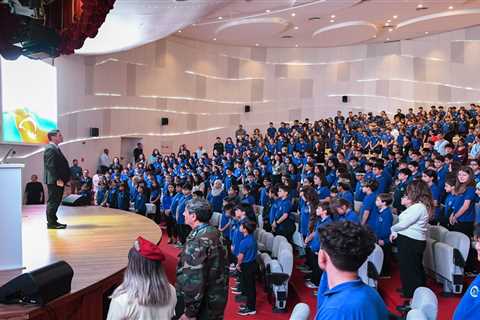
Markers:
point(350, 300)
point(469, 306)
point(284, 206)
point(369, 204)
point(469, 215)
point(248, 246)
point(350, 215)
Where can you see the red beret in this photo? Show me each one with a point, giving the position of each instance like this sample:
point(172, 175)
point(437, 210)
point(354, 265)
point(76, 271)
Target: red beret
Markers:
point(149, 250)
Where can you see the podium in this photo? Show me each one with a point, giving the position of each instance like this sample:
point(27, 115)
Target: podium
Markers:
point(11, 216)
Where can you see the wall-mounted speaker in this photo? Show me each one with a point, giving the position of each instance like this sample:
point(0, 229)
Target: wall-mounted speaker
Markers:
point(39, 286)
point(164, 121)
point(94, 132)
point(345, 99)
point(248, 108)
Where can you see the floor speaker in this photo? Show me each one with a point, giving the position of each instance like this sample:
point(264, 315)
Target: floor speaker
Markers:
point(39, 286)
point(75, 200)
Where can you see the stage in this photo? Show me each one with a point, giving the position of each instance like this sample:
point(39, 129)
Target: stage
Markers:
point(95, 244)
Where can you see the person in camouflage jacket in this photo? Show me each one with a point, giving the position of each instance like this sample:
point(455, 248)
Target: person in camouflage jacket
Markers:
point(202, 270)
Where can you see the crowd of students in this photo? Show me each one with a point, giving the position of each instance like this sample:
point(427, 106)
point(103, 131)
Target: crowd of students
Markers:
point(422, 166)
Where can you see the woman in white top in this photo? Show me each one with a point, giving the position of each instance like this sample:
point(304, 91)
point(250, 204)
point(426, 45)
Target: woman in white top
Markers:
point(410, 233)
point(145, 293)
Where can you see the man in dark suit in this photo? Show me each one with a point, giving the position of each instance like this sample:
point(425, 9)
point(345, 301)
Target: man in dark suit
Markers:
point(57, 174)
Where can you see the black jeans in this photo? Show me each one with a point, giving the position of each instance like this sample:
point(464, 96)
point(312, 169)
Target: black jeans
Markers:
point(387, 259)
point(247, 282)
point(410, 258)
point(171, 225)
point(183, 230)
point(312, 262)
point(467, 229)
point(55, 194)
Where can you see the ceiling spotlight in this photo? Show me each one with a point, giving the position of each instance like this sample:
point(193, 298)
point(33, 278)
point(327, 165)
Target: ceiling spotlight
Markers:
point(388, 39)
point(426, 32)
point(395, 17)
point(179, 31)
point(256, 44)
point(420, 6)
point(388, 21)
point(390, 29)
point(294, 14)
point(296, 27)
point(332, 21)
point(374, 35)
point(450, 8)
point(333, 16)
point(267, 11)
point(220, 18)
point(214, 39)
point(296, 45)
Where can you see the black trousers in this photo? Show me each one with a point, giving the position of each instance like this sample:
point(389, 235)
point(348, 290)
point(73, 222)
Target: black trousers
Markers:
point(467, 229)
point(55, 194)
point(247, 282)
point(183, 230)
point(171, 226)
point(410, 258)
point(387, 259)
point(312, 262)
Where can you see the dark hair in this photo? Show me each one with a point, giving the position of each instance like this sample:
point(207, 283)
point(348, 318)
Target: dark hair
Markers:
point(405, 171)
point(431, 173)
point(201, 208)
point(52, 134)
point(228, 207)
point(340, 202)
point(249, 225)
point(372, 184)
point(386, 198)
point(248, 209)
point(462, 187)
point(187, 186)
point(348, 244)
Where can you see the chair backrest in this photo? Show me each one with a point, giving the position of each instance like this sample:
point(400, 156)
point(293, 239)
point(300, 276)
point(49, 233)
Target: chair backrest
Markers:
point(285, 245)
point(416, 314)
point(437, 232)
point(215, 219)
point(425, 300)
point(297, 239)
point(376, 257)
point(259, 235)
point(268, 241)
point(459, 241)
point(276, 245)
point(285, 258)
point(300, 312)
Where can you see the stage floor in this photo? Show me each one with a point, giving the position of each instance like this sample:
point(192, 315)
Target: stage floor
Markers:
point(95, 244)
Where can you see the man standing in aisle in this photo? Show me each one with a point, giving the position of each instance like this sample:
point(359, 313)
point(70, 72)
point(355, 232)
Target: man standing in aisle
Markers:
point(57, 174)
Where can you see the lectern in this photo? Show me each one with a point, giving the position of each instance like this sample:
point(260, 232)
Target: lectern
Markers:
point(11, 216)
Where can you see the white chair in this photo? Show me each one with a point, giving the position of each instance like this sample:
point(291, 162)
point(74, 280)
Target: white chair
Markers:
point(416, 314)
point(151, 209)
point(300, 312)
point(277, 278)
point(370, 270)
point(215, 219)
point(426, 301)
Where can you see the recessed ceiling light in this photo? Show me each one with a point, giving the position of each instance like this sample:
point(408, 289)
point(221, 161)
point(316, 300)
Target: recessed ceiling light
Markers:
point(426, 32)
point(395, 17)
point(387, 24)
point(296, 45)
point(256, 44)
point(450, 8)
point(388, 21)
point(375, 36)
point(267, 11)
point(179, 31)
point(293, 14)
point(332, 21)
point(388, 39)
point(333, 16)
point(420, 6)
point(390, 29)
point(220, 18)
point(296, 27)
point(214, 39)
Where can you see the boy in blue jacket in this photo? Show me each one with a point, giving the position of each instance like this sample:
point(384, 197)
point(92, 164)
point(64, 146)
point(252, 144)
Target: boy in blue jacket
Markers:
point(382, 230)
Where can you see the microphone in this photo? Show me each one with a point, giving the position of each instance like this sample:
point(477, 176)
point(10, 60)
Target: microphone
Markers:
point(300, 312)
point(10, 151)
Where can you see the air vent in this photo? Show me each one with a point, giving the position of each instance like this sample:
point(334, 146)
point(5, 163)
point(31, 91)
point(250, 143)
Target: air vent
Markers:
point(314, 18)
point(287, 37)
point(422, 8)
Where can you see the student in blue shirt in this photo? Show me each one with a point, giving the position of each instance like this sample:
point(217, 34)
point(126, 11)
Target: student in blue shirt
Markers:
point(183, 229)
point(264, 192)
point(167, 200)
point(342, 295)
point(469, 306)
point(344, 211)
point(382, 182)
point(112, 195)
point(140, 201)
point(100, 196)
point(246, 265)
point(155, 199)
point(430, 176)
point(242, 211)
point(462, 220)
point(123, 198)
point(382, 230)
point(216, 195)
point(247, 197)
point(358, 194)
point(226, 222)
point(284, 224)
point(323, 218)
point(344, 192)
point(400, 189)
point(368, 211)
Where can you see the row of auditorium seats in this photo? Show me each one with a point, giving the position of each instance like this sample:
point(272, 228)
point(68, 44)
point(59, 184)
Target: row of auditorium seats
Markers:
point(445, 256)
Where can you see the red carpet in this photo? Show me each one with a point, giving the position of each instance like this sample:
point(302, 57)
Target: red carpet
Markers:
point(299, 293)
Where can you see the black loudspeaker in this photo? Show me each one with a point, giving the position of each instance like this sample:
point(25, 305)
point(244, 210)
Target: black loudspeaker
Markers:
point(94, 132)
point(75, 200)
point(164, 121)
point(39, 286)
point(247, 108)
point(345, 99)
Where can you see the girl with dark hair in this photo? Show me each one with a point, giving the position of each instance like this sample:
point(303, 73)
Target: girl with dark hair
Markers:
point(145, 293)
point(410, 234)
point(462, 220)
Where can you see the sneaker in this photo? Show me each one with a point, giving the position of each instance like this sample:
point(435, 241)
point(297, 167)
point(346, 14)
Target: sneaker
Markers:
point(306, 271)
point(310, 284)
point(247, 312)
point(237, 292)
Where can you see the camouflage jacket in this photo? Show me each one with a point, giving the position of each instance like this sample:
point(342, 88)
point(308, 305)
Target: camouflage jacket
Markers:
point(202, 274)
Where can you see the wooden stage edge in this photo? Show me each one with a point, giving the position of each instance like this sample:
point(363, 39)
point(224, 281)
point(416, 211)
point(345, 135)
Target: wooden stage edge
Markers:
point(95, 244)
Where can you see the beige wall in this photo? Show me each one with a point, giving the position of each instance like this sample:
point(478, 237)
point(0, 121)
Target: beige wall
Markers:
point(202, 88)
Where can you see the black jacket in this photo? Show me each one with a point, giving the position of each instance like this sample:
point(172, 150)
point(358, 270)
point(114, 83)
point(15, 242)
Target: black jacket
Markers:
point(55, 165)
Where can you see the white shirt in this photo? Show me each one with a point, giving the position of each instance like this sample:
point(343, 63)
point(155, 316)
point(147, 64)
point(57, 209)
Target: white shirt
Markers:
point(123, 309)
point(413, 222)
point(105, 160)
point(95, 181)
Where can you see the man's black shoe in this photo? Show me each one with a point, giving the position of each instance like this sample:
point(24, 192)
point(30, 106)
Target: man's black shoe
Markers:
point(57, 226)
